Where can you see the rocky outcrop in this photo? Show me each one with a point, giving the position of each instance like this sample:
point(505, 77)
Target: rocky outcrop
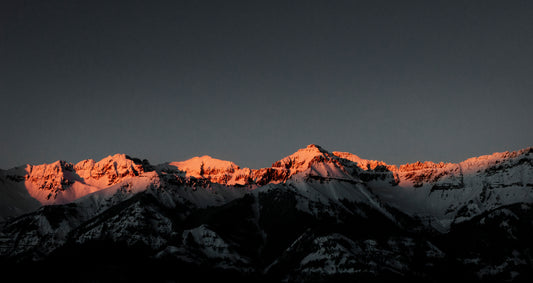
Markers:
point(312, 216)
point(52, 178)
point(109, 170)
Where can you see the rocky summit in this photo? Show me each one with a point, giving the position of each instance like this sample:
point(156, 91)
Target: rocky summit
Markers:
point(313, 216)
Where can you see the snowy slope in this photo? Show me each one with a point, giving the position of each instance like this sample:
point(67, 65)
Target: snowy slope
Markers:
point(14, 197)
point(447, 193)
point(444, 192)
point(132, 204)
point(312, 216)
point(62, 182)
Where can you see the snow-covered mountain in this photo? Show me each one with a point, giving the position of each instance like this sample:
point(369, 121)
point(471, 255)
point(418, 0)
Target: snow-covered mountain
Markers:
point(314, 215)
point(447, 193)
point(62, 182)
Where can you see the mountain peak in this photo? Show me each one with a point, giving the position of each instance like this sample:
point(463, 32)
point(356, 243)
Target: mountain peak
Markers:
point(315, 148)
point(115, 157)
point(110, 170)
point(302, 158)
point(204, 165)
point(206, 161)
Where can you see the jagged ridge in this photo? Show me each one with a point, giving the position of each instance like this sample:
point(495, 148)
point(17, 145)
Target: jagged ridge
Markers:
point(314, 214)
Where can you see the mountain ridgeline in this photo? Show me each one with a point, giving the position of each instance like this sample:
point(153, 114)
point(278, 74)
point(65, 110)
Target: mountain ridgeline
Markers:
point(313, 216)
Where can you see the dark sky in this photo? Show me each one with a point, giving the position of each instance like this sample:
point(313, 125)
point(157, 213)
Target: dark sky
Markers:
point(253, 81)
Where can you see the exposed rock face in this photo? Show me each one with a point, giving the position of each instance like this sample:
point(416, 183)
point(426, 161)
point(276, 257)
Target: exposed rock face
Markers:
point(313, 160)
point(62, 182)
point(312, 216)
point(446, 184)
point(52, 178)
point(449, 193)
point(109, 170)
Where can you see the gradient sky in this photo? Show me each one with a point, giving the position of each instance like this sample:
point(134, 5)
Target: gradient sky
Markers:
point(253, 81)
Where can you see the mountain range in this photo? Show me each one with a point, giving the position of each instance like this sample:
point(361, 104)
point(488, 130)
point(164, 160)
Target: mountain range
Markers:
point(313, 216)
